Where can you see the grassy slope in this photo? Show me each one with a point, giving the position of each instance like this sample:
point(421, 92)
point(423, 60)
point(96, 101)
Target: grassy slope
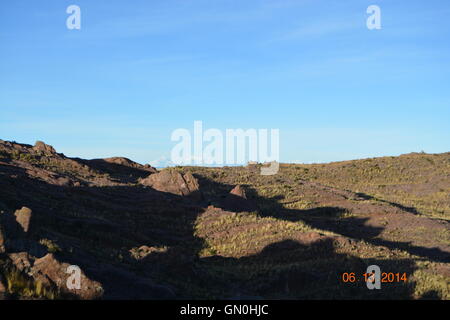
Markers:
point(420, 181)
point(288, 204)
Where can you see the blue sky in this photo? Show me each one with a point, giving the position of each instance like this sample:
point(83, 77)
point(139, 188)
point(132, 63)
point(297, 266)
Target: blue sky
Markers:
point(137, 70)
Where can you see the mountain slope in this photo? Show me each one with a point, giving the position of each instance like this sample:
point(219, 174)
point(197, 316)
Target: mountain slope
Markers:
point(184, 235)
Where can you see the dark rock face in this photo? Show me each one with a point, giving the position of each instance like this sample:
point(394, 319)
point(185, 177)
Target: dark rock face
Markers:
point(173, 182)
point(133, 287)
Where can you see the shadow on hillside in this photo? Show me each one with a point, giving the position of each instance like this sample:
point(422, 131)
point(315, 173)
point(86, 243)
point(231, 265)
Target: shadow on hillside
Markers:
point(394, 204)
point(289, 269)
point(328, 218)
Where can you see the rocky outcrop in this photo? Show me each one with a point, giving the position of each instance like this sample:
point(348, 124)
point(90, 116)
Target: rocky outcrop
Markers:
point(42, 148)
point(53, 274)
point(128, 163)
point(49, 271)
point(22, 261)
point(173, 182)
point(119, 169)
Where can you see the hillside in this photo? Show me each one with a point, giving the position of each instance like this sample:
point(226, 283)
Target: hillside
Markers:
point(221, 233)
point(418, 181)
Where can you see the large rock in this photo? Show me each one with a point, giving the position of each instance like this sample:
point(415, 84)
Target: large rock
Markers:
point(237, 201)
point(22, 261)
point(23, 218)
point(49, 271)
point(239, 191)
point(43, 148)
point(173, 182)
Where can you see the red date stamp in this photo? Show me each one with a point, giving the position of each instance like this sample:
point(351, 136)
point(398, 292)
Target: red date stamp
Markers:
point(386, 277)
point(373, 277)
